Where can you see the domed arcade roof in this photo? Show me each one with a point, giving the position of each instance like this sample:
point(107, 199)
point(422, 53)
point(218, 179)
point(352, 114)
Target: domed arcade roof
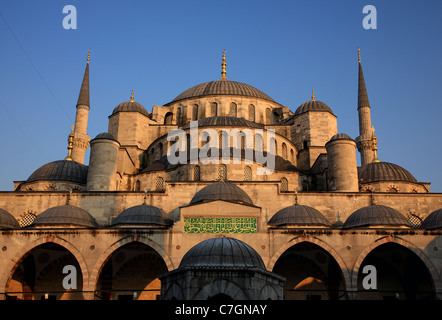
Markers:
point(143, 215)
point(61, 170)
point(65, 215)
point(383, 171)
point(222, 252)
point(298, 215)
point(433, 220)
point(375, 215)
point(221, 87)
point(222, 191)
point(7, 220)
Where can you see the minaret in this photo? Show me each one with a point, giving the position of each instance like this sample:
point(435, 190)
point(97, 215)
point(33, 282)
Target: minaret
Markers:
point(81, 139)
point(365, 140)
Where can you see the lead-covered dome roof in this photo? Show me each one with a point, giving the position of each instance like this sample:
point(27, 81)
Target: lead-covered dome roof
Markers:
point(222, 252)
point(65, 215)
point(433, 220)
point(130, 106)
point(222, 190)
point(375, 215)
point(143, 215)
point(298, 215)
point(61, 170)
point(7, 220)
point(383, 171)
point(221, 87)
point(313, 105)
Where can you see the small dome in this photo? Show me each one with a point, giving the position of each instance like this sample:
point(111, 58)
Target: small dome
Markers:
point(313, 105)
point(130, 106)
point(341, 136)
point(221, 87)
point(222, 252)
point(224, 121)
point(298, 215)
point(7, 220)
point(105, 135)
point(375, 215)
point(433, 221)
point(65, 215)
point(383, 171)
point(222, 191)
point(143, 215)
point(61, 170)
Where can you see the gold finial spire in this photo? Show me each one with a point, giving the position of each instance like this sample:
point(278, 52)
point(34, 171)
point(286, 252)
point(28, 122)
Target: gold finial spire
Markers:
point(88, 55)
point(70, 145)
point(223, 65)
point(132, 97)
point(313, 95)
point(359, 55)
point(375, 148)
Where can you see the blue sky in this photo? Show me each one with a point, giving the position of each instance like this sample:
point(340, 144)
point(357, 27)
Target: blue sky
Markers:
point(161, 48)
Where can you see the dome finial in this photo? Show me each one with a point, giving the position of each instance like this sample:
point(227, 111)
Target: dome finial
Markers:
point(375, 148)
point(70, 145)
point(132, 96)
point(359, 55)
point(223, 65)
point(313, 95)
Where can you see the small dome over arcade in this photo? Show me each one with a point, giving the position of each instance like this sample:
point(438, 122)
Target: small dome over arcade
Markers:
point(142, 215)
point(433, 220)
point(298, 215)
point(130, 106)
point(63, 216)
point(222, 190)
point(7, 220)
point(376, 216)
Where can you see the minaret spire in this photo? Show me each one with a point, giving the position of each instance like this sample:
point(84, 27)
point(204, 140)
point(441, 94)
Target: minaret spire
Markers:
point(223, 65)
point(365, 140)
point(81, 139)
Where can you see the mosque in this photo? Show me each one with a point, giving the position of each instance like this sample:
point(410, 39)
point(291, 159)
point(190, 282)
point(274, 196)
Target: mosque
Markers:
point(134, 225)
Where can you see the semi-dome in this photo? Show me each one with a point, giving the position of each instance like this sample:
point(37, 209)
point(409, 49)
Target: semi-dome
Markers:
point(222, 252)
point(313, 105)
point(433, 221)
point(225, 121)
point(7, 220)
point(65, 215)
point(61, 170)
point(222, 190)
point(376, 215)
point(130, 106)
point(383, 171)
point(143, 215)
point(221, 87)
point(298, 215)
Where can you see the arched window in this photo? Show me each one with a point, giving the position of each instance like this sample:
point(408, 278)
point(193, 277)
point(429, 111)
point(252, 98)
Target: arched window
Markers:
point(247, 173)
point(252, 112)
point(222, 172)
point(196, 173)
point(259, 145)
point(159, 184)
point(284, 151)
point(137, 186)
point(275, 117)
point(168, 118)
point(233, 109)
point(213, 109)
point(292, 156)
point(284, 185)
point(195, 112)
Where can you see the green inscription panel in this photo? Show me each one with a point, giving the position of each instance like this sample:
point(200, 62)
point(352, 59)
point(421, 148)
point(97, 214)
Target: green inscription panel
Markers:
point(219, 225)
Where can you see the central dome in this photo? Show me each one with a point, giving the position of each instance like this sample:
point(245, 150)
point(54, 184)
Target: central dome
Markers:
point(221, 87)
